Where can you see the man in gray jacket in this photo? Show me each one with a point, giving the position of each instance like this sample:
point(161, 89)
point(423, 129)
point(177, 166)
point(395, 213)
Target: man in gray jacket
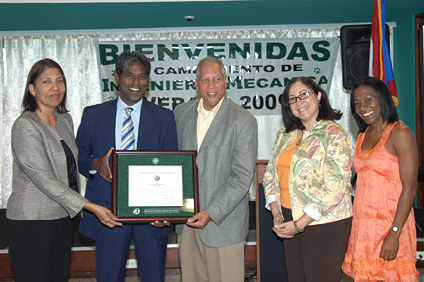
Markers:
point(211, 244)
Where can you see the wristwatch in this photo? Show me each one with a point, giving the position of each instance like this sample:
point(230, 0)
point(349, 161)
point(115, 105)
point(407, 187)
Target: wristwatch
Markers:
point(396, 229)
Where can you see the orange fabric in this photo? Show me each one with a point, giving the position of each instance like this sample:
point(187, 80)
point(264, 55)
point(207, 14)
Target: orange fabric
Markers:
point(283, 171)
point(377, 193)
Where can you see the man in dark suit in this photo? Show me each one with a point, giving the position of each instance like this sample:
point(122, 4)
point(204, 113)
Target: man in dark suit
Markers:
point(211, 244)
point(99, 133)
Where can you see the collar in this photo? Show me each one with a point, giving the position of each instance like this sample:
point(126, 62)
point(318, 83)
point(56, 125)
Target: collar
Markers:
point(201, 110)
point(121, 105)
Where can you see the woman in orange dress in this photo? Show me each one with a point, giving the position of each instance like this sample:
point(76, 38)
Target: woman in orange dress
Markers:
point(382, 244)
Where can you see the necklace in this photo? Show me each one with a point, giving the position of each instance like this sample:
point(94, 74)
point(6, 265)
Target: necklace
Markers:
point(47, 118)
point(377, 131)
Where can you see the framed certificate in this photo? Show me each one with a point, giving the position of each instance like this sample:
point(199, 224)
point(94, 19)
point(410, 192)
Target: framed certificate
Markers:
point(154, 185)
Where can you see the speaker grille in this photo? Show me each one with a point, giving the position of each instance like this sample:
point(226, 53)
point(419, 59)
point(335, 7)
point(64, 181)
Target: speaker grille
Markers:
point(357, 57)
point(355, 44)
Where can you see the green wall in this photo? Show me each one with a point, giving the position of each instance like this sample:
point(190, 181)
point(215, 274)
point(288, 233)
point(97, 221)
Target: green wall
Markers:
point(21, 17)
point(404, 69)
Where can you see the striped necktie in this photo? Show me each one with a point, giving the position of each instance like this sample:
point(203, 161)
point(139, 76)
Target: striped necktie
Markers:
point(127, 137)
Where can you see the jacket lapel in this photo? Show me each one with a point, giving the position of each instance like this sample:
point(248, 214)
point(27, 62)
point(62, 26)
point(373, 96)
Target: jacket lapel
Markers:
point(107, 124)
point(146, 124)
point(191, 125)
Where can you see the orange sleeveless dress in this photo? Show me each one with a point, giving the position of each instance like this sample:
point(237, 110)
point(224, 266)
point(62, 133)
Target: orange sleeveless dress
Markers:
point(377, 193)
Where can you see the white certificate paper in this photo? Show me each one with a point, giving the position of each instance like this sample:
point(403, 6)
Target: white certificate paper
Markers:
point(154, 186)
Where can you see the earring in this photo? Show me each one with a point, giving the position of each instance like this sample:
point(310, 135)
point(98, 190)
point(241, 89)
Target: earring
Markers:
point(319, 104)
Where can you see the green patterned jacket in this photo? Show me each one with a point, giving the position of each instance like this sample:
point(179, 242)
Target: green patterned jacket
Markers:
point(320, 171)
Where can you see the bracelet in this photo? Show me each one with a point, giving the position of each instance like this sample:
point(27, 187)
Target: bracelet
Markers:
point(97, 208)
point(297, 227)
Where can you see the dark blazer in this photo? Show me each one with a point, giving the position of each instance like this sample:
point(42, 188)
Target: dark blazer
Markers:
point(96, 135)
point(226, 163)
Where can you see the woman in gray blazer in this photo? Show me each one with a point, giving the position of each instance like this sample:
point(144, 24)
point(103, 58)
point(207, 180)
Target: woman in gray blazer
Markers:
point(45, 186)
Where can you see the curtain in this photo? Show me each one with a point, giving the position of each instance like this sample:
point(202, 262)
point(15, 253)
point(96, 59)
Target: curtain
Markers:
point(2, 94)
point(76, 53)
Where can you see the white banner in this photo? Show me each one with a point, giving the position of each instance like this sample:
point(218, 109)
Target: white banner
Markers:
point(257, 69)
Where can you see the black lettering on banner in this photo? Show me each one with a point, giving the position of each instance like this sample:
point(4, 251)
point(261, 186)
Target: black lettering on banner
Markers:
point(258, 102)
point(246, 102)
point(270, 101)
point(176, 101)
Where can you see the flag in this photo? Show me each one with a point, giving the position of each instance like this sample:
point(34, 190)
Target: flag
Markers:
point(381, 63)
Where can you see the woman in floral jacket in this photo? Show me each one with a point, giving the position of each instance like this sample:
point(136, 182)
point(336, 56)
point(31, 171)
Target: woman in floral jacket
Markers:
point(307, 184)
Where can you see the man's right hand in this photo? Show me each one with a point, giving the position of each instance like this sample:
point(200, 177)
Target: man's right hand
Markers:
point(199, 220)
point(101, 165)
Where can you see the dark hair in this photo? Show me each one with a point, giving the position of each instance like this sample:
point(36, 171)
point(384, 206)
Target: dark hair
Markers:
point(387, 106)
point(127, 58)
point(28, 102)
point(211, 60)
point(326, 112)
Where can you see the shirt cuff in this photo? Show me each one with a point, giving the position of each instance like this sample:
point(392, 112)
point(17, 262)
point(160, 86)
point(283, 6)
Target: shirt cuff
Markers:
point(314, 214)
point(269, 200)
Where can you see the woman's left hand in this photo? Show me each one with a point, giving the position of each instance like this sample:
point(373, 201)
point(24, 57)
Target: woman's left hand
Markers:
point(106, 217)
point(390, 246)
point(285, 229)
point(288, 230)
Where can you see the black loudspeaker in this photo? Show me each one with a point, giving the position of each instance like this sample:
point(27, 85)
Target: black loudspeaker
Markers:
point(355, 44)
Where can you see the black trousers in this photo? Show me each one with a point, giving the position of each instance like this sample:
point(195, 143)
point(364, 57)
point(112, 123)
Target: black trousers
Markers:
point(317, 254)
point(40, 250)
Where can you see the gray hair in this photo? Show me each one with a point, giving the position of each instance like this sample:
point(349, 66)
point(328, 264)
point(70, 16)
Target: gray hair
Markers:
point(210, 60)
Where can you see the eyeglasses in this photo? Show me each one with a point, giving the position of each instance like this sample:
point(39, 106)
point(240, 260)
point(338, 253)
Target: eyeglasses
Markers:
point(301, 96)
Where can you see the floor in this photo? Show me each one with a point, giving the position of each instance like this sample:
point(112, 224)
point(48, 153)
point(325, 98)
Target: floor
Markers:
point(173, 275)
point(346, 278)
